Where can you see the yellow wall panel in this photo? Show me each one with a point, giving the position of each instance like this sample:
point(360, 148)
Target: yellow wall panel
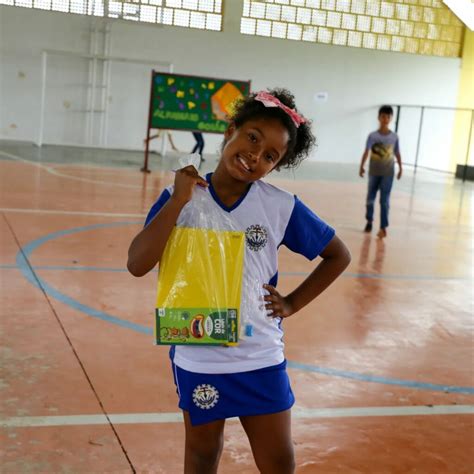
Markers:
point(412, 26)
point(462, 122)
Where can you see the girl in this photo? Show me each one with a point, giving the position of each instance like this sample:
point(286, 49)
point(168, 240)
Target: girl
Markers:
point(248, 381)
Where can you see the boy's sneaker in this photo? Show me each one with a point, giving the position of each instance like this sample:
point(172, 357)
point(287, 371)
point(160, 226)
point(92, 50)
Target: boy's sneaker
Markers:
point(368, 227)
point(382, 233)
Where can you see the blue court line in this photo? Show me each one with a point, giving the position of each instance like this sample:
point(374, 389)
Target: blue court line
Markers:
point(386, 276)
point(379, 379)
point(40, 283)
point(22, 258)
point(346, 274)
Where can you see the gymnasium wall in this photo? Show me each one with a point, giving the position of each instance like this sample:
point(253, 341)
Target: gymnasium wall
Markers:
point(357, 81)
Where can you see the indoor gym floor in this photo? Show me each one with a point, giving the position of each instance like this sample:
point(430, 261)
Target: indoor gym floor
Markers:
point(381, 364)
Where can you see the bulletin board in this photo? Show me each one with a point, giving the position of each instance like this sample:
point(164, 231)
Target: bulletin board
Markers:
point(193, 103)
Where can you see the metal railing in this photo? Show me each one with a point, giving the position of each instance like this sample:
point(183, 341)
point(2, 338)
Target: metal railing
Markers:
point(421, 120)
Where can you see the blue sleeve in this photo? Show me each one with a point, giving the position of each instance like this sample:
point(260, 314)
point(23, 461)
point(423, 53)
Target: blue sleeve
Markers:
point(155, 209)
point(370, 142)
point(397, 147)
point(306, 233)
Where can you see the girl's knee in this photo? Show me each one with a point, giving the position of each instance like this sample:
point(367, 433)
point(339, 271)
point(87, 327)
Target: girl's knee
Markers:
point(279, 462)
point(203, 461)
point(203, 455)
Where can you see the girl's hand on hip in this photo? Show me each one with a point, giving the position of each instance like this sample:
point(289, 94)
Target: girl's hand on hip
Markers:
point(279, 305)
point(184, 182)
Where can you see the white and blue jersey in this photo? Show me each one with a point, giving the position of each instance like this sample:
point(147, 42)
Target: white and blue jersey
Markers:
point(270, 217)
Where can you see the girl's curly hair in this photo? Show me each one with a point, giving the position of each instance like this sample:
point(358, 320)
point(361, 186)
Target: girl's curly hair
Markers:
point(301, 139)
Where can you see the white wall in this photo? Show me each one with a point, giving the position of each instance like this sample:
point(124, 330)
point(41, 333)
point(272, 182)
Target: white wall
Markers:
point(357, 80)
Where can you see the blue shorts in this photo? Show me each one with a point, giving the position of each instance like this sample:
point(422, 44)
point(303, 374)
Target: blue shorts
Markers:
point(211, 397)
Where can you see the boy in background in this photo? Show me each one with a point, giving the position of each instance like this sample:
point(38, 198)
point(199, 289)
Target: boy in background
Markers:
point(383, 147)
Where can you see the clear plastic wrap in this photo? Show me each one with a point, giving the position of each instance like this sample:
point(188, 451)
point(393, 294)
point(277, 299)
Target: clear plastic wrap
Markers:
point(204, 295)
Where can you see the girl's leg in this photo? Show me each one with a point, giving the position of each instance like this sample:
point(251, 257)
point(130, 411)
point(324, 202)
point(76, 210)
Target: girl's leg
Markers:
point(270, 439)
point(203, 446)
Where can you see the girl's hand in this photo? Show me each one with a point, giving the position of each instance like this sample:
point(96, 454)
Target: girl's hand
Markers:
point(184, 182)
point(279, 305)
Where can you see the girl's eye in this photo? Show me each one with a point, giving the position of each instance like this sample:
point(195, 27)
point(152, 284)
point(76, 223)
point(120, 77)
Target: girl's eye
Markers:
point(270, 158)
point(252, 137)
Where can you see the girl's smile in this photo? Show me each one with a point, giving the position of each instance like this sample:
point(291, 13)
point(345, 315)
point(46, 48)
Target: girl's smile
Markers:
point(244, 164)
point(253, 150)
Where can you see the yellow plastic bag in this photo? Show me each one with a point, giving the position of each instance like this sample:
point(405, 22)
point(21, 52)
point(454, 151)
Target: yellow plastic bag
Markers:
point(199, 287)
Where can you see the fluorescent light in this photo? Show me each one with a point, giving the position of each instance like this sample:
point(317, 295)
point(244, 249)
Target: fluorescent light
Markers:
point(464, 10)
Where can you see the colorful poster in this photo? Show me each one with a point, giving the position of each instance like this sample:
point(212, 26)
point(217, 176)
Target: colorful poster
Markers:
point(193, 103)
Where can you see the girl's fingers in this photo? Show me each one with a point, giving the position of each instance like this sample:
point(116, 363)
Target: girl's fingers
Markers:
point(202, 182)
point(270, 309)
point(273, 309)
point(271, 289)
point(274, 298)
point(273, 314)
point(275, 302)
point(188, 171)
point(191, 172)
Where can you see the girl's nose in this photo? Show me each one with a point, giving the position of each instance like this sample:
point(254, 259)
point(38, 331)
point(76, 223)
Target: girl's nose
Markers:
point(255, 156)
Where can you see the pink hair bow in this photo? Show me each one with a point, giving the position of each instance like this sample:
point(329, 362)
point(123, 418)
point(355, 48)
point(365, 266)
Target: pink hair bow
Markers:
point(269, 100)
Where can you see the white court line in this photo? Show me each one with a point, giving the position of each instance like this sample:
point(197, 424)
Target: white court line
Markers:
point(304, 413)
point(90, 165)
point(54, 172)
point(118, 214)
point(298, 413)
point(66, 213)
point(340, 225)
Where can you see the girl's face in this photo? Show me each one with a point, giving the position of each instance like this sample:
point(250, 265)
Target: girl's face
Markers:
point(253, 150)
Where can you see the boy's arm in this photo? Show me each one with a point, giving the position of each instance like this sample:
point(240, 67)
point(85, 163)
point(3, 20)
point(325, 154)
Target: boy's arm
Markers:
point(399, 161)
point(336, 258)
point(362, 163)
point(147, 247)
point(368, 147)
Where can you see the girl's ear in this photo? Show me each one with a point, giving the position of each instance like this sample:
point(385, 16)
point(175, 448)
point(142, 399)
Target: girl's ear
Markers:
point(230, 131)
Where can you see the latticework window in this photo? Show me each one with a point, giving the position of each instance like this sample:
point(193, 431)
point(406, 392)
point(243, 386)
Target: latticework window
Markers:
point(410, 26)
point(202, 14)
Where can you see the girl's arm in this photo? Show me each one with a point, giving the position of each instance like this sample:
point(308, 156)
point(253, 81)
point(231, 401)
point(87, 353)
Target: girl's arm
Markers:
point(147, 247)
point(336, 258)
